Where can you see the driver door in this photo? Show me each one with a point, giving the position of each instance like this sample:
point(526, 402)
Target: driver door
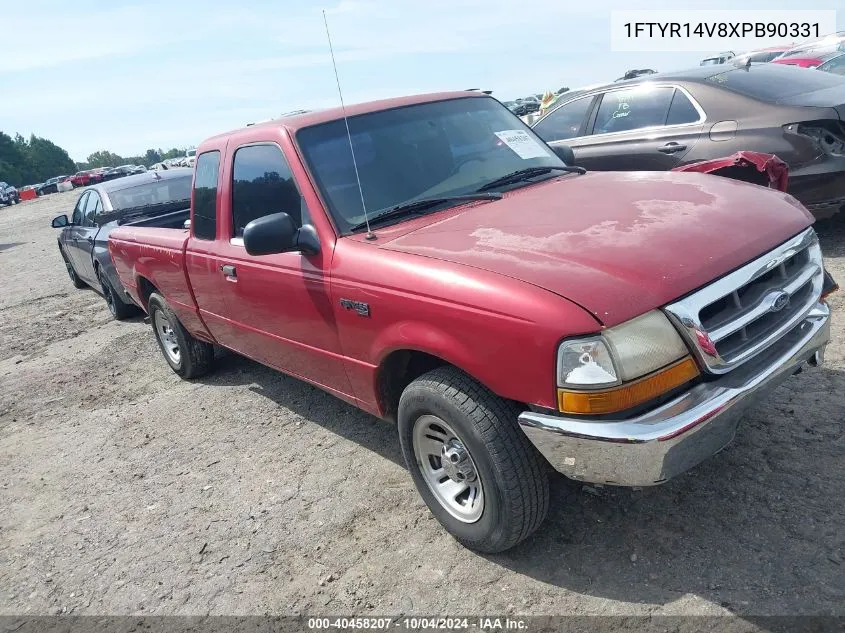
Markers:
point(71, 235)
point(85, 239)
point(279, 306)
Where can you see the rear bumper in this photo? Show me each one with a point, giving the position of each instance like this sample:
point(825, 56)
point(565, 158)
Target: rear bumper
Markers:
point(822, 192)
point(654, 447)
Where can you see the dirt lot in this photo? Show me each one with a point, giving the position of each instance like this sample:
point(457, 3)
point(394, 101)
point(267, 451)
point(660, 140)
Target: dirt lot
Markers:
point(124, 489)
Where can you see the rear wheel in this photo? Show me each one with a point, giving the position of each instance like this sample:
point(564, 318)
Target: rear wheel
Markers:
point(187, 356)
point(77, 282)
point(475, 469)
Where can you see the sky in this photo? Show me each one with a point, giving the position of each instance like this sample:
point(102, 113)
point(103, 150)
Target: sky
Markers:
point(128, 75)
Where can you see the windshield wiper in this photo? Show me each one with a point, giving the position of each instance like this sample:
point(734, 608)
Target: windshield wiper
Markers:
point(529, 172)
point(411, 207)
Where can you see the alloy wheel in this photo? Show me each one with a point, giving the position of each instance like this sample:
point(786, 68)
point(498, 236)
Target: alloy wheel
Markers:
point(448, 468)
point(165, 333)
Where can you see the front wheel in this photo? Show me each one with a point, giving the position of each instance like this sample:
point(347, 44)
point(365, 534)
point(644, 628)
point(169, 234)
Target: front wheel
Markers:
point(473, 466)
point(74, 278)
point(187, 356)
point(117, 306)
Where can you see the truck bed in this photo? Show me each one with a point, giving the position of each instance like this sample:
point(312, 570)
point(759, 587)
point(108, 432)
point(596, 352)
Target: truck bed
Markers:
point(172, 220)
point(157, 254)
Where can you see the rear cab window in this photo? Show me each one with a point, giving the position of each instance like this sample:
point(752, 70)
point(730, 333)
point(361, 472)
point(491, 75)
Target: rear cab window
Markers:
point(204, 220)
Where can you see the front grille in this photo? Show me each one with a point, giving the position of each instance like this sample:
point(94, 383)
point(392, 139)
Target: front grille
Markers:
point(744, 312)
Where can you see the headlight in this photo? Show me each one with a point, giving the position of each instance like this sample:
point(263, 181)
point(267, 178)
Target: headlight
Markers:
point(585, 363)
point(622, 367)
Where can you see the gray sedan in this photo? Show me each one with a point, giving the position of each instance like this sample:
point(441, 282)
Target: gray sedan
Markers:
point(666, 120)
point(150, 199)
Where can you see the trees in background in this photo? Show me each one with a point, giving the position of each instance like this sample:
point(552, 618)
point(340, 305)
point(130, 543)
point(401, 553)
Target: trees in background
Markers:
point(27, 162)
point(104, 158)
point(24, 162)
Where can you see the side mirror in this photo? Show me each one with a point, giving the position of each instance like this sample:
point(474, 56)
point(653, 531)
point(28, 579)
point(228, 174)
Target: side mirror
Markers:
point(276, 233)
point(565, 153)
point(60, 221)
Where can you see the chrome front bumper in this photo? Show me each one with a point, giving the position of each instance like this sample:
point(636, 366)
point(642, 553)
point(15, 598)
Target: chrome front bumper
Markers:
point(655, 446)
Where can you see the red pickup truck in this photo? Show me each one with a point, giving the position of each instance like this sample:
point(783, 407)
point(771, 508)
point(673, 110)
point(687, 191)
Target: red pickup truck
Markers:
point(436, 264)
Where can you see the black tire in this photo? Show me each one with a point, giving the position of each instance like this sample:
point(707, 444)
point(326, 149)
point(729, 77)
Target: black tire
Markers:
point(195, 358)
point(117, 306)
point(74, 278)
point(513, 475)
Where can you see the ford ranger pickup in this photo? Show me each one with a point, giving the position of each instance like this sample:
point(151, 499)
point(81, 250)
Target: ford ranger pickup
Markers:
point(430, 260)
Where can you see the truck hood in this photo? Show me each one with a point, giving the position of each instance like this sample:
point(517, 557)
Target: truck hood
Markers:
point(618, 244)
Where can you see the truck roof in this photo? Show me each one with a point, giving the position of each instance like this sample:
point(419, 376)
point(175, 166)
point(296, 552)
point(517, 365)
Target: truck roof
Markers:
point(299, 120)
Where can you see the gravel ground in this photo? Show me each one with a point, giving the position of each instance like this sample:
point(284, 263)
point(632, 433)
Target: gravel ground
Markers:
point(125, 490)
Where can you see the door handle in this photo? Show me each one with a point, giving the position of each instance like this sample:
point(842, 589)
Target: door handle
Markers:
point(229, 270)
point(90, 240)
point(671, 148)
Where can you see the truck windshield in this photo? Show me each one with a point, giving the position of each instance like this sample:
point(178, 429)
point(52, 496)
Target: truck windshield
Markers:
point(440, 148)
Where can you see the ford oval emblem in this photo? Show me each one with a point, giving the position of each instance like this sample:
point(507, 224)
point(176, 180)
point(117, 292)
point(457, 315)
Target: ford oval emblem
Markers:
point(780, 301)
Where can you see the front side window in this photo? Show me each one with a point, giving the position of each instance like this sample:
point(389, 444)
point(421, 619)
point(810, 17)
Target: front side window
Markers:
point(262, 184)
point(565, 122)
point(632, 109)
point(204, 221)
point(92, 207)
point(79, 209)
point(440, 148)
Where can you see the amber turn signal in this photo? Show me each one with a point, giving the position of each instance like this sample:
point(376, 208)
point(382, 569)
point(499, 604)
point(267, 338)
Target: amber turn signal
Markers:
point(629, 395)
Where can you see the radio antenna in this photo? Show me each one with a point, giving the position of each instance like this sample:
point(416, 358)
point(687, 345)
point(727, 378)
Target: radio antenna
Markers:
point(370, 234)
